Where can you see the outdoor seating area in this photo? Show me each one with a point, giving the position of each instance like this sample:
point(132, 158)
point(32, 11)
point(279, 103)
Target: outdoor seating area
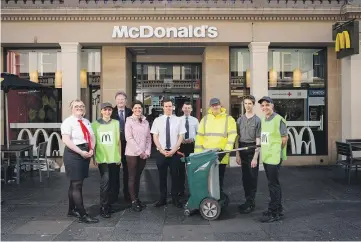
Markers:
point(346, 157)
point(18, 158)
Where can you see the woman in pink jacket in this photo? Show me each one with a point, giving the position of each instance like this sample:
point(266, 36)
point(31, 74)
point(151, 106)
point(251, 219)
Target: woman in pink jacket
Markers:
point(139, 141)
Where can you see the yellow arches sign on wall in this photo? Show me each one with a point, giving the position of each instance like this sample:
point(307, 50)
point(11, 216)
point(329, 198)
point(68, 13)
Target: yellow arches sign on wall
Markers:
point(343, 41)
point(346, 37)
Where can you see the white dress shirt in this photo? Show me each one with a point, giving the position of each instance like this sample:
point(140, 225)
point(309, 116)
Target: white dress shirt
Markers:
point(193, 126)
point(71, 127)
point(177, 127)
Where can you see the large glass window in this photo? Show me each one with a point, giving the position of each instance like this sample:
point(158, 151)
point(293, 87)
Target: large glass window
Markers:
point(297, 84)
point(90, 81)
point(239, 79)
point(180, 82)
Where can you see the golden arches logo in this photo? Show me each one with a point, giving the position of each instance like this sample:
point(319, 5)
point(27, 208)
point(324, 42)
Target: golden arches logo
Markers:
point(343, 41)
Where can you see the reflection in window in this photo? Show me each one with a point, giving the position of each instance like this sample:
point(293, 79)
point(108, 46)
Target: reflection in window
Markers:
point(297, 86)
point(239, 79)
point(296, 68)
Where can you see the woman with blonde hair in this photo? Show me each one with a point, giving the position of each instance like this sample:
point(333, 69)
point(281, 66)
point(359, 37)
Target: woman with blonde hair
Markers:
point(78, 137)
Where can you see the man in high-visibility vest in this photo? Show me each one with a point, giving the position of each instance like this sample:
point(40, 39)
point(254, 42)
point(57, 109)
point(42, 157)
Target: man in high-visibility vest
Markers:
point(273, 151)
point(216, 131)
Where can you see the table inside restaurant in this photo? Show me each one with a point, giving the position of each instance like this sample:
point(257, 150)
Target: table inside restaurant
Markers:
point(17, 150)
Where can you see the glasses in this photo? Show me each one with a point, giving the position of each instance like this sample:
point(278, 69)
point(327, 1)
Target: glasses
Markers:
point(79, 106)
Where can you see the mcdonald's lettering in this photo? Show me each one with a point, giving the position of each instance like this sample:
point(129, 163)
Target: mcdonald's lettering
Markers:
point(343, 41)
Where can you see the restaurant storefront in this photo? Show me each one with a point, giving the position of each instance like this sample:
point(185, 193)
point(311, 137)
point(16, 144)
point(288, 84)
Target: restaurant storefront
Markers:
point(191, 57)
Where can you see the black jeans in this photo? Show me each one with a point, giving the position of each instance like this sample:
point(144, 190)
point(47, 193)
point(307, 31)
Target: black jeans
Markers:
point(249, 174)
point(274, 186)
point(108, 185)
point(222, 171)
point(186, 149)
point(173, 163)
point(125, 172)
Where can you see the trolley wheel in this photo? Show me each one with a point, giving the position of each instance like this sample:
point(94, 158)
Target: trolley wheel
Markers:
point(187, 212)
point(210, 209)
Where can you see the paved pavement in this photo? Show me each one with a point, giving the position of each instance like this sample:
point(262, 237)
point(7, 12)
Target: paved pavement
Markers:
point(319, 205)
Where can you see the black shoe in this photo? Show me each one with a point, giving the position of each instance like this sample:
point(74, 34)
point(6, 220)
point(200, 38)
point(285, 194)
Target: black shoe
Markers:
point(73, 213)
point(160, 203)
point(136, 206)
point(87, 219)
point(247, 208)
point(268, 212)
point(177, 203)
point(104, 212)
point(272, 217)
point(141, 204)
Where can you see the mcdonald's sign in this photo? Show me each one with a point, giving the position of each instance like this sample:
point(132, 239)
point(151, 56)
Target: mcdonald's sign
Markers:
point(346, 37)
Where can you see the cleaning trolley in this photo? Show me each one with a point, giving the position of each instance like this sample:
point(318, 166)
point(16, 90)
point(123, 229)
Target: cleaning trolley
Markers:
point(203, 182)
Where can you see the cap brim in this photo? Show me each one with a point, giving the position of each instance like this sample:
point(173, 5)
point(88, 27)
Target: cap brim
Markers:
point(262, 100)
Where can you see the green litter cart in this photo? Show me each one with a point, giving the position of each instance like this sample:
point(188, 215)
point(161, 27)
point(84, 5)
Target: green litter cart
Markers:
point(203, 182)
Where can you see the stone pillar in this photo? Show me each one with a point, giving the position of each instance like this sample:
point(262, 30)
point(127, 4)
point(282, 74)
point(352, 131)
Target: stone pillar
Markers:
point(215, 76)
point(70, 63)
point(2, 118)
point(350, 96)
point(259, 71)
point(116, 73)
point(333, 118)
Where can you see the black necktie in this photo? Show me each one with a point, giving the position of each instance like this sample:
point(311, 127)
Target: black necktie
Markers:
point(167, 133)
point(122, 124)
point(187, 128)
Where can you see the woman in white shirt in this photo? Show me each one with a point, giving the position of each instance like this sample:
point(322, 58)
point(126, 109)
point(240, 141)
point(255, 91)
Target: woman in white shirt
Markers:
point(79, 141)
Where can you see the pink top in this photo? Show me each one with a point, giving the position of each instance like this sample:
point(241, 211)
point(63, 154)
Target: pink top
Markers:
point(137, 135)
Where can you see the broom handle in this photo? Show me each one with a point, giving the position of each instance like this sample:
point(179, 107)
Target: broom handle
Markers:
point(239, 149)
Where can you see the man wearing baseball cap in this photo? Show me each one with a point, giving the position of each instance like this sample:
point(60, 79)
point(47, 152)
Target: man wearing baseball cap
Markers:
point(217, 131)
point(273, 151)
point(107, 157)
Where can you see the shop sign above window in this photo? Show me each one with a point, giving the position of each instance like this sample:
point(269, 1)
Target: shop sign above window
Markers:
point(203, 31)
point(346, 36)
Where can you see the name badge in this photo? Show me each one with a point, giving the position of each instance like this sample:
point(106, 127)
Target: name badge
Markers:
point(106, 138)
point(265, 138)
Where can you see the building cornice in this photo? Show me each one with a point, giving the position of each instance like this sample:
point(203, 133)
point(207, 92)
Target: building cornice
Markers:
point(248, 14)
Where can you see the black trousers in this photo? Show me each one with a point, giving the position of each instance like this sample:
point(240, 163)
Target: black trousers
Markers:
point(222, 171)
point(108, 185)
point(274, 186)
point(173, 163)
point(186, 149)
point(249, 174)
point(125, 172)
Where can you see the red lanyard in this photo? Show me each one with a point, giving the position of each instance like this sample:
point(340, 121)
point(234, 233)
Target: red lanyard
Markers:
point(86, 133)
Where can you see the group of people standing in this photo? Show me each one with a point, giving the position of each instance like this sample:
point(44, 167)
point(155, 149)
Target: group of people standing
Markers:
point(122, 138)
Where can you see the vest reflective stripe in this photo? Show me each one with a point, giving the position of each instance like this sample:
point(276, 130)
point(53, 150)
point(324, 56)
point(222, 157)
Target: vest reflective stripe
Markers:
point(224, 134)
point(198, 147)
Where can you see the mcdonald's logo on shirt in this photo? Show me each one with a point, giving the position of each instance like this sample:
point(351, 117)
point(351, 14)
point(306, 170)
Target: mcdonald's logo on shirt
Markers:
point(106, 138)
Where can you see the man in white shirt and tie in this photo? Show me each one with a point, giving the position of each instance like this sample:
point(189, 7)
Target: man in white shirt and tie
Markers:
point(168, 131)
point(187, 146)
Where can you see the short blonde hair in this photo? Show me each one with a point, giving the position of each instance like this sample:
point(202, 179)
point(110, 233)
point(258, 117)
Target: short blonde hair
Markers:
point(77, 101)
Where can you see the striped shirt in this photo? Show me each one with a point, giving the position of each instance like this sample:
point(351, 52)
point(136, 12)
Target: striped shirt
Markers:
point(137, 135)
